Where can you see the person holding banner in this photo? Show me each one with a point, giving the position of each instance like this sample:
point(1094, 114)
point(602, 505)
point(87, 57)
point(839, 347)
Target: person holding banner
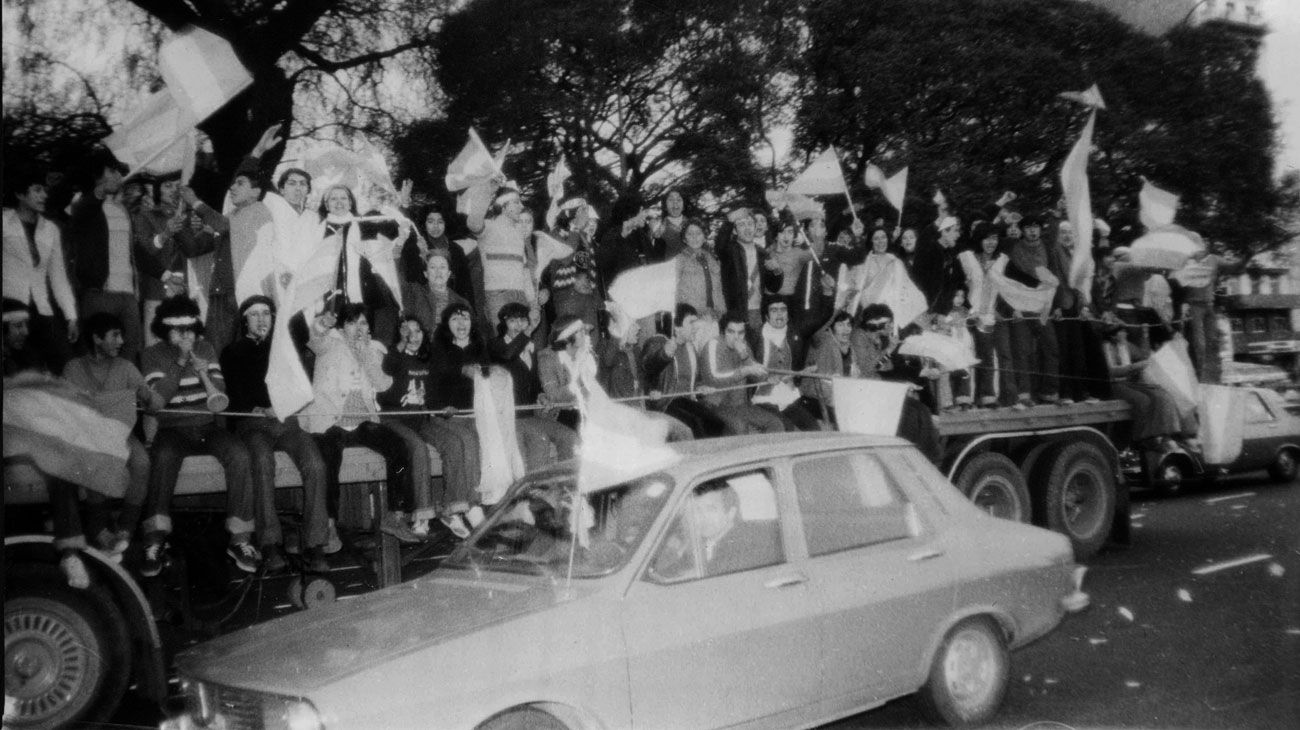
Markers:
point(183, 369)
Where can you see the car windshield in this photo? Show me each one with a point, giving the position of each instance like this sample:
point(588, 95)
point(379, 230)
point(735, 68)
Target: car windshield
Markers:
point(537, 529)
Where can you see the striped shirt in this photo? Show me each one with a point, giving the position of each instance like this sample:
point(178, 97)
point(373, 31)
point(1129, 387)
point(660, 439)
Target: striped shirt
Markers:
point(181, 388)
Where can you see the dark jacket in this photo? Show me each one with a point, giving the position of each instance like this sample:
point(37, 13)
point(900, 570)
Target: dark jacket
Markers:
point(244, 363)
point(735, 275)
point(87, 235)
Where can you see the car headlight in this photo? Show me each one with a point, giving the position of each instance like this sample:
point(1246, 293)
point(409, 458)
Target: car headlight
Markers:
point(302, 715)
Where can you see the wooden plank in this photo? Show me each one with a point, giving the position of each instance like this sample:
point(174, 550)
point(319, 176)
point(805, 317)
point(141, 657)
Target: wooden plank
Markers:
point(1036, 418)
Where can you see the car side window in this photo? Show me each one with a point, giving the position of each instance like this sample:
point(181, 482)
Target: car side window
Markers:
point(848, 500)
point(728, 524)
point(1257, 411)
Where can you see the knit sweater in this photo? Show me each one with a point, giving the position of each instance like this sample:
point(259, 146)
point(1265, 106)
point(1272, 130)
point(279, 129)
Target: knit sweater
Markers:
point(114, 385)
point(181, 387)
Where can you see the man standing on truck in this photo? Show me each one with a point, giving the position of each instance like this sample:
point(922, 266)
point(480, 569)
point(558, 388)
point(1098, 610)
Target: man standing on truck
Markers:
point(244, 363)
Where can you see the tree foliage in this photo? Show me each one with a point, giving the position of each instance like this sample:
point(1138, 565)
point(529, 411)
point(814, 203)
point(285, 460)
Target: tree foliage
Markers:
point(637, 95)
point(966, 94)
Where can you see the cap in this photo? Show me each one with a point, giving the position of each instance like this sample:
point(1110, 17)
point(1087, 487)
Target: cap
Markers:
point(248, 303)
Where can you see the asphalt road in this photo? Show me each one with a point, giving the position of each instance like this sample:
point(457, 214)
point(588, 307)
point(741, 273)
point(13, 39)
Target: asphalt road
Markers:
point(1160, 646)
point(1165, 647)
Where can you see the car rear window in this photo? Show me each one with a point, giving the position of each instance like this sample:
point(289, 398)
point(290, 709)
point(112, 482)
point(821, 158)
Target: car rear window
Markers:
point(848, 500)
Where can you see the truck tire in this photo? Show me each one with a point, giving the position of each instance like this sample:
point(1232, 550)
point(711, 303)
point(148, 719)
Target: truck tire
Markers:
point(995, 485)
point(1078, 499)
point(67, 657)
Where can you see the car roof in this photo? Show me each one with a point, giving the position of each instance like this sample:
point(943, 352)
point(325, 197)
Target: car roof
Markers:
point(732, 449)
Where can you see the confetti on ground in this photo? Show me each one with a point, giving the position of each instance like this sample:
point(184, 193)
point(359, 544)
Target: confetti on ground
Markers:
point(1238, 506)
point(1136, 525)
point(1132, 684)
point(1095, 641)
point(1276, 570)
point(1126, 613)
point(1028, 677)
point(1216, 567)
point(1184, 595)
point(1293, 632)
point(1225, 498)
point(1051, 680)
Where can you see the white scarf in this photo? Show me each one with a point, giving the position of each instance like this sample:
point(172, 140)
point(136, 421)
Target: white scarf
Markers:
point(774, 336)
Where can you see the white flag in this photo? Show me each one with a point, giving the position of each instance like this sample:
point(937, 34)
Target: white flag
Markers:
point(1158, 207)
point(868, 406)
point(555, 189)
point(1088, 97)
point(474, 165)
point(548, 250)
point(159, 139)
point(1078, 199)
point(893, 188)
point(646, 289)
point(201, 71)
point(823, 177)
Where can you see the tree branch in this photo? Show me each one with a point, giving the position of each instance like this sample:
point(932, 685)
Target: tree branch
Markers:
point(331, 66)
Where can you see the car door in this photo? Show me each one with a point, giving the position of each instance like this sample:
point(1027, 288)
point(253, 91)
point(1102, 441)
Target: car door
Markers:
point(722, 632)
point(881, 572)
point(1261, 434)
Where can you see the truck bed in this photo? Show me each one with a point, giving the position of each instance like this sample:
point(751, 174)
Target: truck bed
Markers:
point(1036, 418)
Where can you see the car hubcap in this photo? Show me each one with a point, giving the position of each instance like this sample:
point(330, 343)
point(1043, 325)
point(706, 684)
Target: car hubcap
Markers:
point(1171, 475)
point(45, 664)
point(970, 667)
point(1285, 462)
point(994, 496)
point(1081, 503)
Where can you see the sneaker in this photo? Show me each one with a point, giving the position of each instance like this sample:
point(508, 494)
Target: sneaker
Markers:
point(456, 523)
point(155, 557)
point(313, 561)
point(420, 528)
point(74, 570)
point(273, 559)
point(246, 557)
point(474, 516)
point(395, 525)
point(332, 542)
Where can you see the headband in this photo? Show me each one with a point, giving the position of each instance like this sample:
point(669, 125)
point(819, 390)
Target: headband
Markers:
point(18, 315)
point(182, 321)
point(571, 330)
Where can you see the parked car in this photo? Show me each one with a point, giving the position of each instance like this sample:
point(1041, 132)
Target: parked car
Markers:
point(1270, 440)
point(764, 581)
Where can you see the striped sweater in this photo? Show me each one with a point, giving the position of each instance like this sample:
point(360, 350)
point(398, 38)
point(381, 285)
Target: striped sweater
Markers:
point(181, 388)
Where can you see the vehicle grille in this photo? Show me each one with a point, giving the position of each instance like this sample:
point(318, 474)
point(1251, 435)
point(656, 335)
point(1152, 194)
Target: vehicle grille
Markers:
point(243, 709)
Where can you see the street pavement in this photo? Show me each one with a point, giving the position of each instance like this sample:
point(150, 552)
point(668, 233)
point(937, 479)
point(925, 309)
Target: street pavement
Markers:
point(1176, 636)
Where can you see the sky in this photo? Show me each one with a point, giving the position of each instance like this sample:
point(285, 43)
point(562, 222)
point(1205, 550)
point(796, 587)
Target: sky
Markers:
point(1279, 66)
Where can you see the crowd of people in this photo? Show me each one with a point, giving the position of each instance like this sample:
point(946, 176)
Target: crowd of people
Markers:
point(131, 291)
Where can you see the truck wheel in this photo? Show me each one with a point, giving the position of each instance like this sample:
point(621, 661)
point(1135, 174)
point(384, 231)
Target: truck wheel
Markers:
point(1078, 499)
point(1172, 477)
point(1284, 466)
point(995, 485)
point(66, 658)
point(968, 676)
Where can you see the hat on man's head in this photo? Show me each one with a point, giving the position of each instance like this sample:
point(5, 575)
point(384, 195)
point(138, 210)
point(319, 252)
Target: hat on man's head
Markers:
point(948, 222)
point(255, 300)
point(742, 212)
point(505, 191)
point(15, 311)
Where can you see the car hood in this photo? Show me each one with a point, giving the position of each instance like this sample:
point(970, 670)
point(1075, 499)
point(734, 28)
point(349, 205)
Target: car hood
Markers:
point(296, 654)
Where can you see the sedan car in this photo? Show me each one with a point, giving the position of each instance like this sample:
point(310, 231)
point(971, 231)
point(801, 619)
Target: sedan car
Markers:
point(760, 581)
point(1270, 441)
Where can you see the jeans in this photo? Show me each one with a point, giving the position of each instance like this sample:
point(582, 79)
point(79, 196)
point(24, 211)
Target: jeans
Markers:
point(263, 437)
point(1035, 359)
point(1203, 335)
point(457, 443)
point(171, 446)
point(539, 435)
point(379, 438)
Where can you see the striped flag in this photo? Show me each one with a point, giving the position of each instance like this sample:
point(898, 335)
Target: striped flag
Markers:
point(159, 140)
point(1074, 183)
point(59, 428)
point(201, 71)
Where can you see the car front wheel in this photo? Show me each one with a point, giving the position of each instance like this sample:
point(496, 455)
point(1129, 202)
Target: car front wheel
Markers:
point(968, 676)
point(523, 718)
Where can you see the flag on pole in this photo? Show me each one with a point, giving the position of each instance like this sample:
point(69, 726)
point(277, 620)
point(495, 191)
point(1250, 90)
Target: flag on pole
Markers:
point(646, 289)
point(555, 189)
point(548, 250)
point(473, 165)
point(60, 429)
point(1078, 199)
point(1158, 207)
point(159, 139)
point(801, 207)
point(618, 442)
point(201, 71)
point(822, 177)
point(868, 406)
point(893, 188)
point(1090, 97)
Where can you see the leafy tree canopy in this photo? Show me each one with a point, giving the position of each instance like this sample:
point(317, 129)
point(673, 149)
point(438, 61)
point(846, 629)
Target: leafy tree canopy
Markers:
point(966, 95)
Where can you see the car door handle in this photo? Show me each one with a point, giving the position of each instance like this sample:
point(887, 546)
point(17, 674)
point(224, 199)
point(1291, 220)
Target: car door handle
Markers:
point(786, 581)
point(925, 555)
